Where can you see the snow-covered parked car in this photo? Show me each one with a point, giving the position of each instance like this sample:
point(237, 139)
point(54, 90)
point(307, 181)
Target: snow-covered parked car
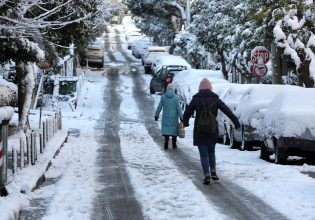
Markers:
point(251, 110)
point(131, 37)
point(163, 77)
point(187, 82)
point(221, 89)
point(168, 60)
point(288, 128)
point(138, 47)
point(230, 94)
point(149, 56)
point(166, 67)
point(94, 53)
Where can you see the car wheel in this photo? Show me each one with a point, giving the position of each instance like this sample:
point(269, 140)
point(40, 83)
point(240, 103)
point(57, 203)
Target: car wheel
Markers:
point(147, 70)
point(245, 145)
point(280, 155)
point(264, 153)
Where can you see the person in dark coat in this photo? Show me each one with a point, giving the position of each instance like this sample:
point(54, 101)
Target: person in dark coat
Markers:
point(172, 111)
point(206, 142)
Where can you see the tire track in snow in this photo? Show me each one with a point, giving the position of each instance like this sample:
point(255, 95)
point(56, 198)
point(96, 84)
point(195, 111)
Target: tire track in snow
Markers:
point(234, 201)
point(115, 199)
point(163, 191)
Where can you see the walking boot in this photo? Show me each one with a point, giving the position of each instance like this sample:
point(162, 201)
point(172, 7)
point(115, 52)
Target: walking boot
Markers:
point(166, 145)
point(206, 180)
point(214, 176)
point(174, 144)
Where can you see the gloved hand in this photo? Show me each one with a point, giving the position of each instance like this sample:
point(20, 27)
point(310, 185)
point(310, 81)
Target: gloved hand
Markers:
point(156, 118)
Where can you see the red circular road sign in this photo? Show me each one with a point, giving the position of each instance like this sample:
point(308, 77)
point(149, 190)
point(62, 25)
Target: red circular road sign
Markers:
point(260, 71)
point(260, 55)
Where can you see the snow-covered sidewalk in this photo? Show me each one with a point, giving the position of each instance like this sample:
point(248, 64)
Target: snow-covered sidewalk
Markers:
point(26, 179)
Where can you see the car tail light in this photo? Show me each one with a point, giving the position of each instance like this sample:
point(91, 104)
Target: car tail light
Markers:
point(168, 79)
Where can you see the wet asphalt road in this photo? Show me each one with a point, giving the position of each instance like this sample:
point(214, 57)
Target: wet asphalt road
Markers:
point(116, 200)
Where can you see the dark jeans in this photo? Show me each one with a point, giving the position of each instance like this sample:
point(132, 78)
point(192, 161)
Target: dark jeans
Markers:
point(167, 137)
point(207, 158)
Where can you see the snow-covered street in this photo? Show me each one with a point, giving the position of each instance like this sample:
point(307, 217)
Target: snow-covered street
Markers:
point(157, 110)
point(113, 165)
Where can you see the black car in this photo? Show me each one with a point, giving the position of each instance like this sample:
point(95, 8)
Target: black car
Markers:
point(163, 77)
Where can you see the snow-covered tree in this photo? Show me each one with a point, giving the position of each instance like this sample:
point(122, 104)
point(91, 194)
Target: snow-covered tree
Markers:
point(32, 30)
point(294, 32)
point(215, 25)
point(160, 12)
point(152, 17)
point(188, 45)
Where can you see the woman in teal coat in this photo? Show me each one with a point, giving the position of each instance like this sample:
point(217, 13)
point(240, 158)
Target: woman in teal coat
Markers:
point(172, 111)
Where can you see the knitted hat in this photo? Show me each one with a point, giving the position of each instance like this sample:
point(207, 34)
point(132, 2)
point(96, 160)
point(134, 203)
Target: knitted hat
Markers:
point(205, 84)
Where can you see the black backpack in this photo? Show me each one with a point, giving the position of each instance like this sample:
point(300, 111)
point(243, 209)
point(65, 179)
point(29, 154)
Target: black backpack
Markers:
point(207, 122)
